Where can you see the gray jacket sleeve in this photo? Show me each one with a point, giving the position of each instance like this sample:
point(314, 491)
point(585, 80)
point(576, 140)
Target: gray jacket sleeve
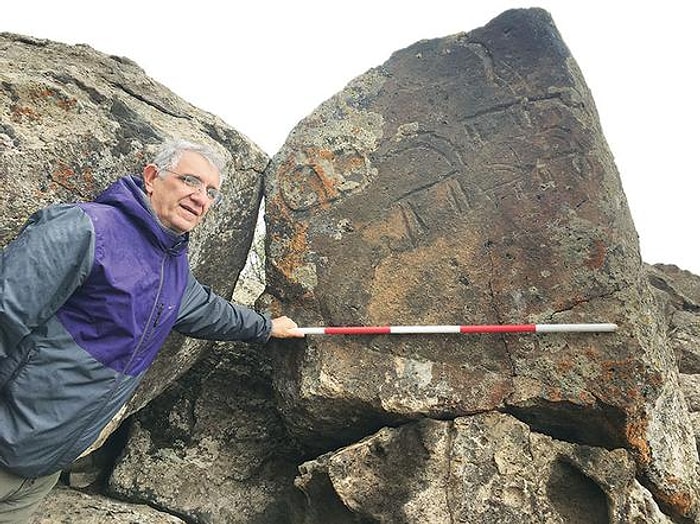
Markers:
point(40, 270)
point(204, 314)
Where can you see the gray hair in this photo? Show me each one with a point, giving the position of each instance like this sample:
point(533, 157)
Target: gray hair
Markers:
point(171, 151)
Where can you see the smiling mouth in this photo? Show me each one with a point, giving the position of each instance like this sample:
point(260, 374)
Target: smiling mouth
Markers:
point(190, 210)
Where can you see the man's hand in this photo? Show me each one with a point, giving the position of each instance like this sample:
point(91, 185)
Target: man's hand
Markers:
point(285, 327)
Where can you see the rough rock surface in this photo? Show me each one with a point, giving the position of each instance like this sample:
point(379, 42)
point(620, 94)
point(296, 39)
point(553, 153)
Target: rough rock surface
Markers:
point(67, 505)
point(467, 180)
point(678, 294)
point(72, 120)
point(485, 468)
point(212, 448)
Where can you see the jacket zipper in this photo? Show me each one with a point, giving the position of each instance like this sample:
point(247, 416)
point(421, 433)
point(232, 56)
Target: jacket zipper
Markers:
point(159, 312)
point(151, 323)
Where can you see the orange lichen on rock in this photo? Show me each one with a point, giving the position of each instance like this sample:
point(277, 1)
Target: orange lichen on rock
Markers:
point(293, 240)
point(20, 113)
point(635, 434)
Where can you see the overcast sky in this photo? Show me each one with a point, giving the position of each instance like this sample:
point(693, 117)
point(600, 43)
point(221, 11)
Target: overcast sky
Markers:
point(264, 65)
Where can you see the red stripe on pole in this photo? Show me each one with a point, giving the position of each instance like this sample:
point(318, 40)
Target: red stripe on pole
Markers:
point(358, 330)
point(510, 328)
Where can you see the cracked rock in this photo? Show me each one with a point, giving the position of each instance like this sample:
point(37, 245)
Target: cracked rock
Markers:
point(483, 192)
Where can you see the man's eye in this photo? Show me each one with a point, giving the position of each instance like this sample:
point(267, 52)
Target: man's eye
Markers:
point(191, 181)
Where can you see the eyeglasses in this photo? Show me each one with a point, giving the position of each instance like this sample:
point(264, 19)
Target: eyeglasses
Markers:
point(213, 194)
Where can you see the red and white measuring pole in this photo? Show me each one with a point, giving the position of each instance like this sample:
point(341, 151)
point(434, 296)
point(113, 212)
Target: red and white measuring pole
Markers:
point(484, 328)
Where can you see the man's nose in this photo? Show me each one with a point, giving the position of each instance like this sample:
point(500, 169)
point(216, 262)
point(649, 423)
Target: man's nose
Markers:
point(200, 195)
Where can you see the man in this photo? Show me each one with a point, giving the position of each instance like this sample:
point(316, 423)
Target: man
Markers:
point(89, 293)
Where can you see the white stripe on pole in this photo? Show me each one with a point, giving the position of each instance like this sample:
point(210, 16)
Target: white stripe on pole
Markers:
point(312, 330)
point(575, 328)
point(407, 330)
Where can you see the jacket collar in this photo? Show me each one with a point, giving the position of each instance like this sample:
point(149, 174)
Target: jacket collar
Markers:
point(129, 196)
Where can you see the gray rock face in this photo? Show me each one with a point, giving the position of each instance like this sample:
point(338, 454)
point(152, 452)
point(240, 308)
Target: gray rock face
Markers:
point(483, 469)
point(67, 505)
point(467, 180)
point(678, 294)
point(212, 448)
point(73, 120)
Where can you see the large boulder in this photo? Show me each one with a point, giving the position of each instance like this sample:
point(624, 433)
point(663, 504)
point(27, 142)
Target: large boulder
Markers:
point(73, 120)
point(212, 447)
point(485, 468)
point(467, 180)
point(678, 294)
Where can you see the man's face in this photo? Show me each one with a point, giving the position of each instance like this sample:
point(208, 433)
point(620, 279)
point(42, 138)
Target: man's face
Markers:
point(178, 205)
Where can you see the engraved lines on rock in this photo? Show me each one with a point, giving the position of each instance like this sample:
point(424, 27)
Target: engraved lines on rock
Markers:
point(427, 145)
point(547, 125)
point(482, 51)
point(547, 116)
point(451, 184)
point(317, 177)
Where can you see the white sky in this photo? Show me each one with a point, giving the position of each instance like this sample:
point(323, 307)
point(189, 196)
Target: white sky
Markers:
point(263, 65)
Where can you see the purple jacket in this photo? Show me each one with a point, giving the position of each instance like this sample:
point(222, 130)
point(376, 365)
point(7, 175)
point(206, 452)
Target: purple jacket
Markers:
point(89, 294)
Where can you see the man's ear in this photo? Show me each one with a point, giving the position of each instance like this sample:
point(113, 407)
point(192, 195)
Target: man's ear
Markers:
point(150, 173)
